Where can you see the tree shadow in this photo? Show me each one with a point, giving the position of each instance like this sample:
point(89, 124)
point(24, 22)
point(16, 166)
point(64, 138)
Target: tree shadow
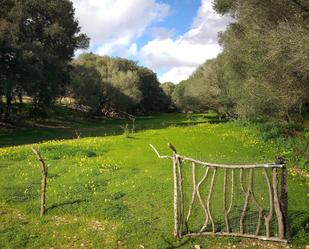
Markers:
point(173, 243)
point(65, 203)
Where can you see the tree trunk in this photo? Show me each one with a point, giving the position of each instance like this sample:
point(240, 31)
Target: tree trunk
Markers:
point(8, 107)
point(20, 97)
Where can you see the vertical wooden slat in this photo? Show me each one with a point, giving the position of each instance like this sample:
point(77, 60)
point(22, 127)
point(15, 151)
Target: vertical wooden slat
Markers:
point(201, 200)
point(247, 198)
point(176, 227)
point(181, 199)
point(224, 201)
point(176, 191)
point(284, 196)
point(277, 205)
point(209, 198)
point(193, 195)
point(270, 197)
point(259, 208)
point(228, 210)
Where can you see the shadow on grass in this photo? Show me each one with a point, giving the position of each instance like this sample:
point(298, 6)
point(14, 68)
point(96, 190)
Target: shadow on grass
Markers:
point(99, 127)
point(172, 243)
point(65, 203)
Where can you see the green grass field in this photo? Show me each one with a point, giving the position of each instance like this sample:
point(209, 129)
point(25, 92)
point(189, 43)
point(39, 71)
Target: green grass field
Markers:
point(109, 190)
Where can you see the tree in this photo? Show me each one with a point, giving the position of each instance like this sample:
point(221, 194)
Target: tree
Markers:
point(86, 87)
point(168, 89)
point(266, 50)
point(125, 86)
point(154, 99)
point(38, 40)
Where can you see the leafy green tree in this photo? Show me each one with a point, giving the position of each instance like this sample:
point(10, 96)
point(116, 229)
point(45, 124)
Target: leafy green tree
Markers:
point(154, 99)
point(123, 93)
point(168, 89)
point(38, 39)
point(266, 50)
point(125, 86)
point(85, 87)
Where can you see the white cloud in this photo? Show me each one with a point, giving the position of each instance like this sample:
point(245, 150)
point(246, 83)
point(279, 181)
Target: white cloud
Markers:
point(180, 56)
point(176, 74)
point(168, 53)
point(113, 25)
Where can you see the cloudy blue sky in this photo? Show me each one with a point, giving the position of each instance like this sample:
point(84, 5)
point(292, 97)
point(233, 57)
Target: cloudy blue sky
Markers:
point(172, 37)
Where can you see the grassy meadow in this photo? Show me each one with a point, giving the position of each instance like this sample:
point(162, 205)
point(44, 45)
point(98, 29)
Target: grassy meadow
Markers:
point(107, 188)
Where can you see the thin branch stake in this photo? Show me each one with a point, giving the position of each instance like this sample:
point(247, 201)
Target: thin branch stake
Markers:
point(44, 171)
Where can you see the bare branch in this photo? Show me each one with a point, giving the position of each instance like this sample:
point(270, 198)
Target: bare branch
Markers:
point(158, 154)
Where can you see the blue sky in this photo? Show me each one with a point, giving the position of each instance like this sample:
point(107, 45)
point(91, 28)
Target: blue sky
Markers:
point(171, 37)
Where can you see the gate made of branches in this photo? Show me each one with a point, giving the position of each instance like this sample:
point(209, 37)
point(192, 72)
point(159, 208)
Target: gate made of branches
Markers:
point(229, 200)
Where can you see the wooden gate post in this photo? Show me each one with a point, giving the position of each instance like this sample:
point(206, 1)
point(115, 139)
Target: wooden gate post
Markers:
point(176, 210)
point(284, 196)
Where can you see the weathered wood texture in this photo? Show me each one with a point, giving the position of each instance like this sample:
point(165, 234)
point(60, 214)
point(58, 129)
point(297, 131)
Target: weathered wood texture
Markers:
point(44, 172)
point(277, 202)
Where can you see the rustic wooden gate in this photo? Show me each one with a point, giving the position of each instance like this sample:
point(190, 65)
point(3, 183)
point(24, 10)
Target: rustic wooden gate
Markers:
point(267, 225)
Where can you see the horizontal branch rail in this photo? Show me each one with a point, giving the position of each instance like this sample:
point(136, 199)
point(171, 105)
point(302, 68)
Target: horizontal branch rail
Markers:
point(215, 165)
point(250, 236)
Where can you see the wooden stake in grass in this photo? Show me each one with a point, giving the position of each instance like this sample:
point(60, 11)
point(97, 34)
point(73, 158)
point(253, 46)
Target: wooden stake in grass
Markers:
point(44, 171)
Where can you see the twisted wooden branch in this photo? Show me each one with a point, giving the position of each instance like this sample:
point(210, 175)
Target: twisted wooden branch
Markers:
point(247, 198)
point(227, 211)
point(193, 195)
point(270, 196)
point(258, 206)
point(201, 200)
point(44, 171)
point(209, 198)
point(277, 205)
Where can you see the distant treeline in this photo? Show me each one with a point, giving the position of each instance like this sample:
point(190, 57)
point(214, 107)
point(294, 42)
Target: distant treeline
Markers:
point(263, 71)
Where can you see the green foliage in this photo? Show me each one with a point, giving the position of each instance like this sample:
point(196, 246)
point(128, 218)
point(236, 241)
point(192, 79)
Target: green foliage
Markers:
point(124, 86)
point(37, 40)
point(262, 73)
point(265, 48)
point(205, 89)
point(86, 86)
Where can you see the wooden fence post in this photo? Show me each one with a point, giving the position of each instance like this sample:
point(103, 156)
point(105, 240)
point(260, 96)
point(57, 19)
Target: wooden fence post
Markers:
point(277, 207)
point(284, 196)
point(44, 171)
point(175, 173)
